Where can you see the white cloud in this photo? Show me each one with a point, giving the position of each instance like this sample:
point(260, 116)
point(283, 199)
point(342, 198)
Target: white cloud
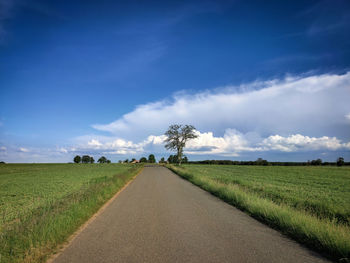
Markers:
point(313, 105)
point(232, 144)
point(115, 145)
point(62, 150)
point(299, 142)
point(22, 149)
point(94, 142)
point(3, 149)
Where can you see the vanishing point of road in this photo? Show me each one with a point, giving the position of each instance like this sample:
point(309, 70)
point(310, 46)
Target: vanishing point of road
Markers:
point(160, 217)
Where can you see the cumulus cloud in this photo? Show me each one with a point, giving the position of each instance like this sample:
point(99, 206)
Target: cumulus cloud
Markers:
point(231, 144)
point(116, 145)
point(311, 105)
point(299, 142)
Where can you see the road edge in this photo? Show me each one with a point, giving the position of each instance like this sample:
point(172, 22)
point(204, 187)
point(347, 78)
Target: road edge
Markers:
point(72, 237)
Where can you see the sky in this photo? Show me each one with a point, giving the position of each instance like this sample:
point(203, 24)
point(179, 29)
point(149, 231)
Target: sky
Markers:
point(258, 79)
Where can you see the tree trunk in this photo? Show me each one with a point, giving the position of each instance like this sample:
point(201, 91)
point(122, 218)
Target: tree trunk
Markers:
point(179, 156)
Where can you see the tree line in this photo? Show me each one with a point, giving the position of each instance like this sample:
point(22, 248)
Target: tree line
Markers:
point(339, 162)
point(90, 159)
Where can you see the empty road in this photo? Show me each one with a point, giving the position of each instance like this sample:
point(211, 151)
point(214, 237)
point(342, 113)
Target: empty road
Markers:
point(160, 217)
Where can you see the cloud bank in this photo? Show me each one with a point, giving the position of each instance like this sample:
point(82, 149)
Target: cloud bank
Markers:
point(294, 115)
point(313, 106)
point(232, 144)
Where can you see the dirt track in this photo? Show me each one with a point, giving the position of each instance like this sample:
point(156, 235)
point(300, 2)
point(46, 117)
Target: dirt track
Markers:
point(160, 217)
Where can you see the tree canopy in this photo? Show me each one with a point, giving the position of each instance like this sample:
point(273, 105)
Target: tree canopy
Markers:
point(77, 159)
point(177, 136)
point(340, 161)
point(143, 160)
point(151, 158)
point(102, 160)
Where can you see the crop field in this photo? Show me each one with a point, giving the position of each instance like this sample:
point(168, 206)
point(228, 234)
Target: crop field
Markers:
point(42, 204)
point(310, 204)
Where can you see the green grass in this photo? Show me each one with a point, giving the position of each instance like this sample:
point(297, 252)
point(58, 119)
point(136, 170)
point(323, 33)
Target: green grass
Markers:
point(310, 204)
point(41, 205)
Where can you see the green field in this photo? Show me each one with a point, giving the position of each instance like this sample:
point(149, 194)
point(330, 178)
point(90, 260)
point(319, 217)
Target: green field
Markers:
point(42, 204)
point(310, 204)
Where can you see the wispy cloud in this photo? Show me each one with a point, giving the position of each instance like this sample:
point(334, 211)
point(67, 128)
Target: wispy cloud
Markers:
point(327, 16)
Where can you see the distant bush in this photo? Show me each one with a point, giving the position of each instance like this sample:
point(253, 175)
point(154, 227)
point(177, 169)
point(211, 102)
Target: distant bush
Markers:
point(77, 159)
point(143, 160)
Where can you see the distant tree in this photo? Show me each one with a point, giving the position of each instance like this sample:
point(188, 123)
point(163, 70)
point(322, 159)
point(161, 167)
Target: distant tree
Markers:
point(151, 158)
point(316, 162)
point(77, 159)
point(102, 160)
point(175, 159)
point(261, 161)
point(92, 160)
point(85, 159)
point(162, 160)
point(172, 159)
point(143, 160)
point(340, 161)
point(2, 162)
point(126, 161)
point(108, 161)
point(133, 159)
point(177, 136)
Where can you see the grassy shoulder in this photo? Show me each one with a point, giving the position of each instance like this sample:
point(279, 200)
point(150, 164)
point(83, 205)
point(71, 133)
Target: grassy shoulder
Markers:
point(310, 206)
point(43, 204)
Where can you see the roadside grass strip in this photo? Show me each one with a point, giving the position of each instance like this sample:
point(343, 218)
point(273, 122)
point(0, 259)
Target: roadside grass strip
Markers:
point(324, 235)
point(38, 234)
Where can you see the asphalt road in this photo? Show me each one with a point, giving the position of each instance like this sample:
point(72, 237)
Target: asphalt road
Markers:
point(160, 217)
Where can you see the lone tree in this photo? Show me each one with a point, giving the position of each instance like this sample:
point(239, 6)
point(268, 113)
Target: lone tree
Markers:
point(77, 159)
point(151, 158)
point(92, 160)
point(340, 161)
point(177, 136)
point(102, 160)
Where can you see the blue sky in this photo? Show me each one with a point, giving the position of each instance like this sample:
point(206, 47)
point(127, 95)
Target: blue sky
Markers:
point(263, 79)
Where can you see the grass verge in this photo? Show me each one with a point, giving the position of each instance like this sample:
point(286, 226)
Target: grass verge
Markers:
point(34, 236)
point(326, 236)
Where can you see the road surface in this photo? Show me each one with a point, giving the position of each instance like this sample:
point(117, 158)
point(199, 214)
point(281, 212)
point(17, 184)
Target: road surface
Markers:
point(160, 217)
